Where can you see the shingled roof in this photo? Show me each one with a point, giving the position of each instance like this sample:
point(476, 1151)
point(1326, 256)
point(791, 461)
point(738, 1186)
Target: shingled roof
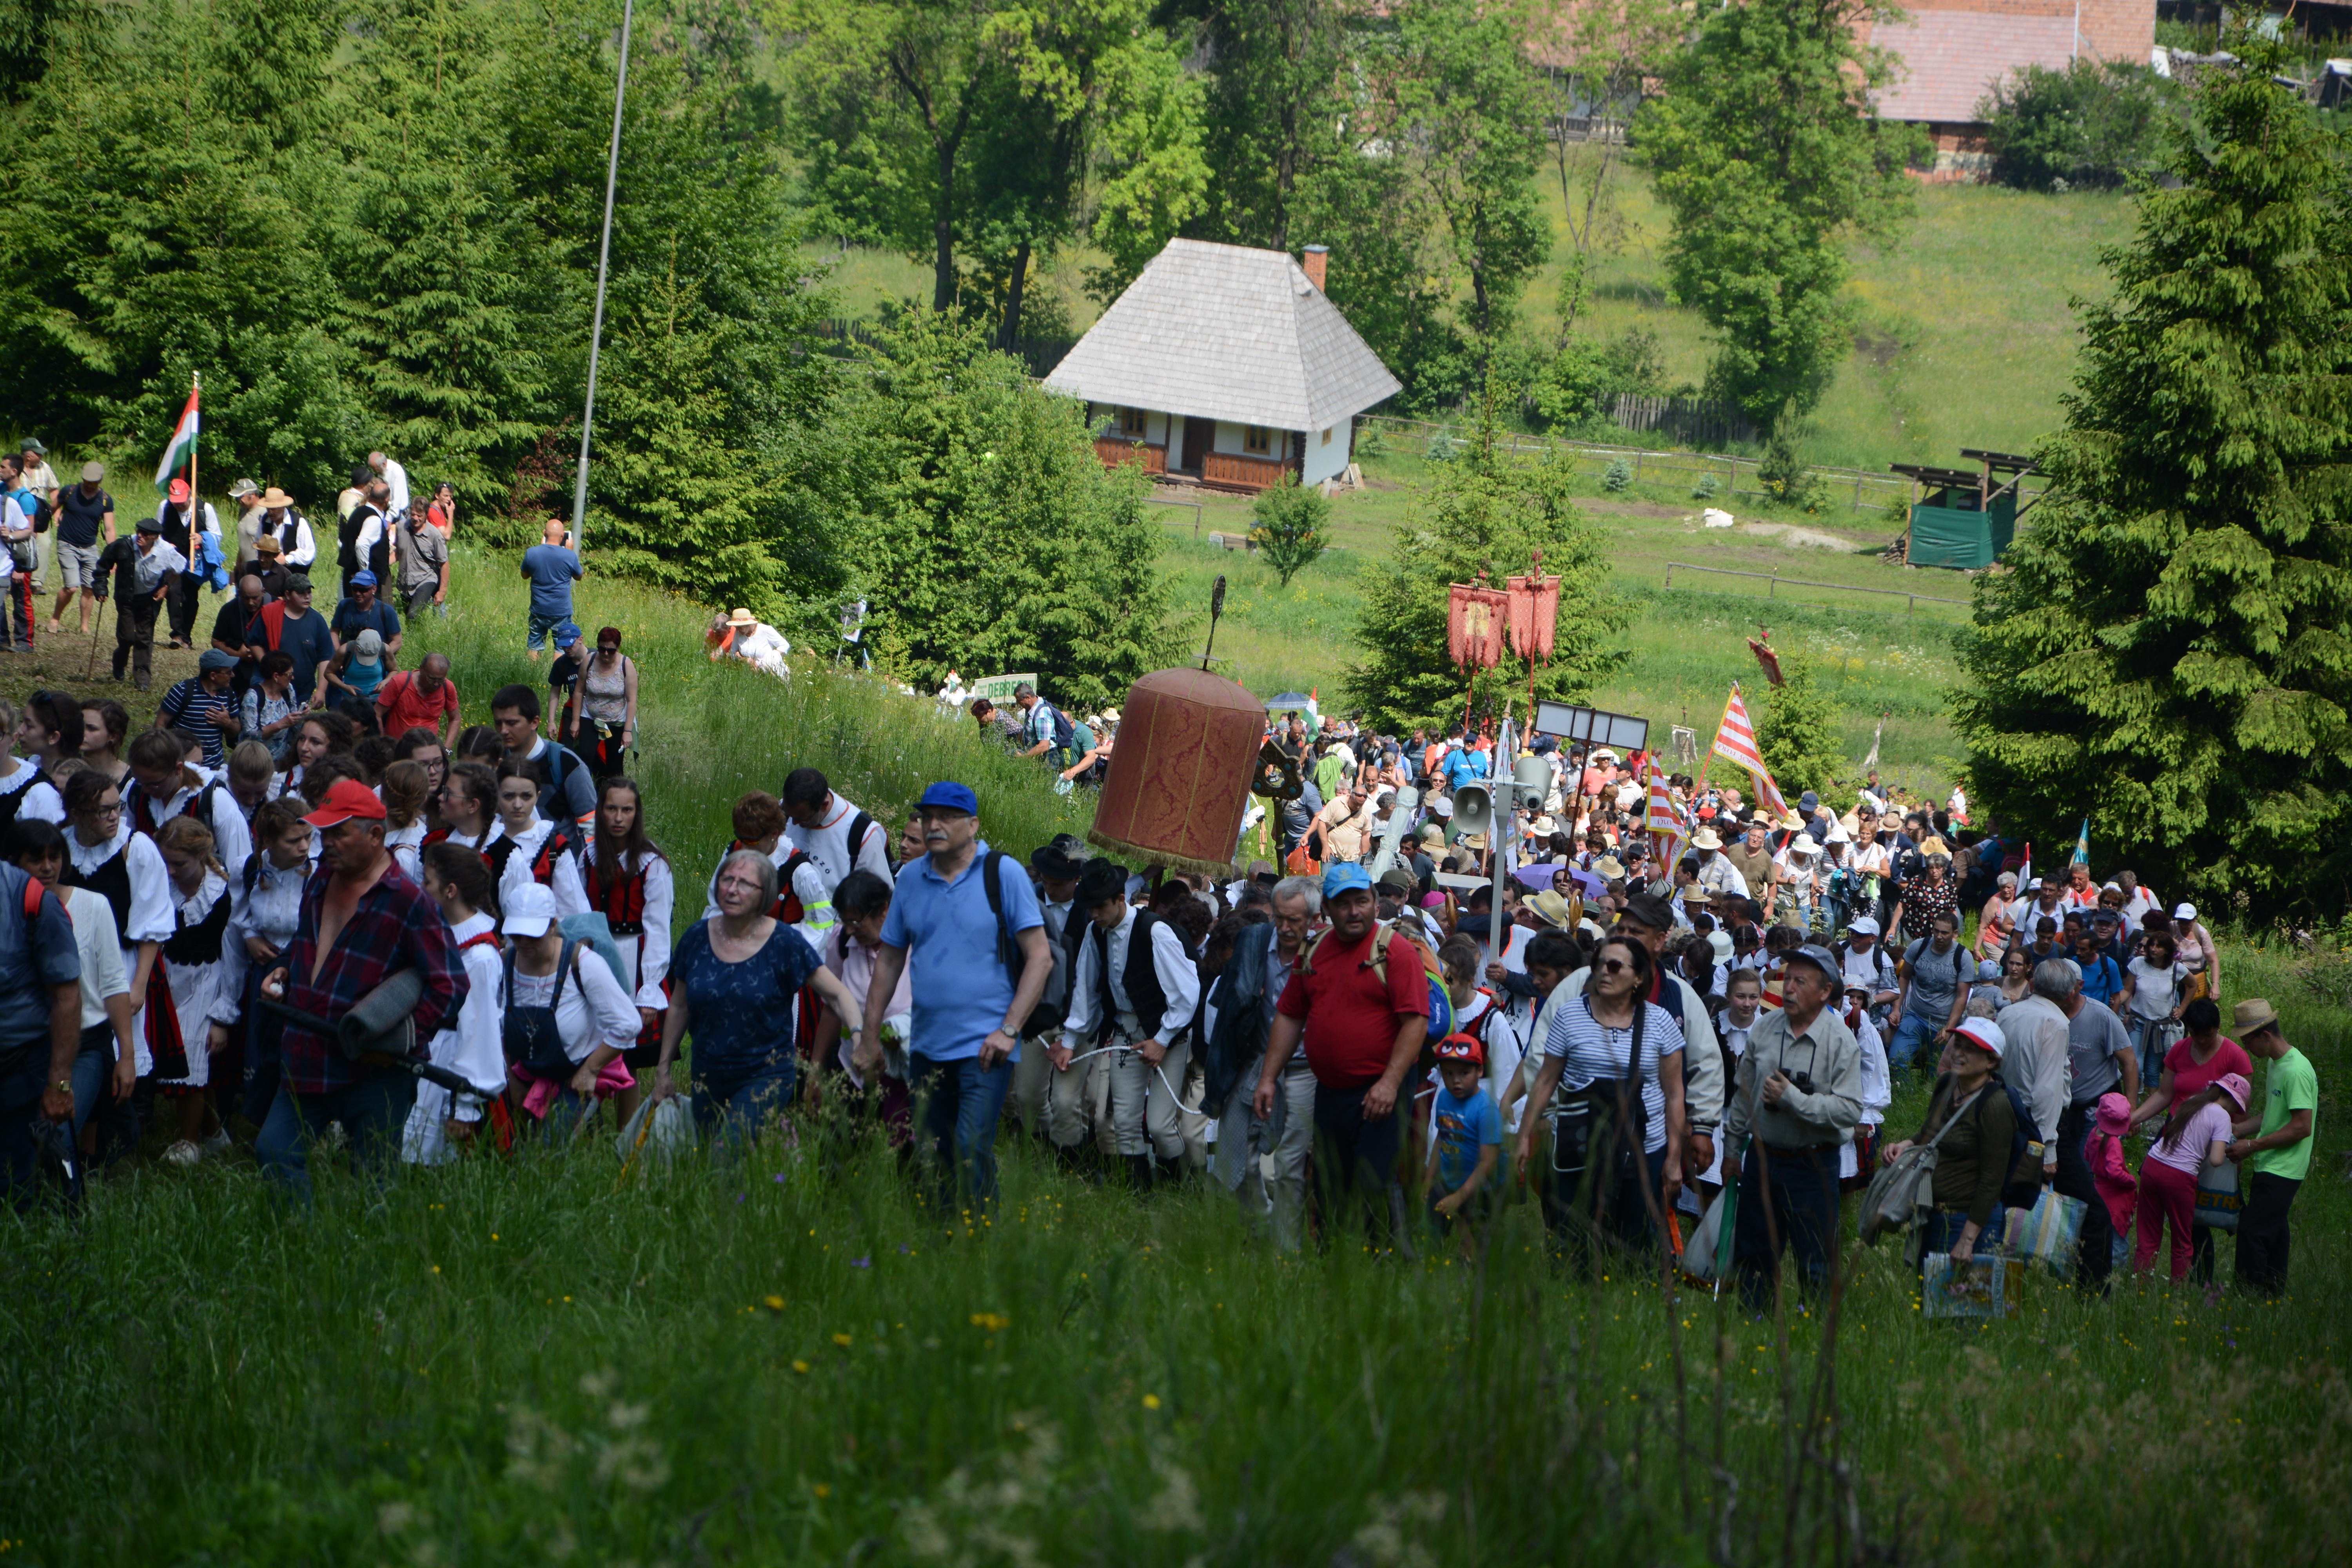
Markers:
point(1226, 332)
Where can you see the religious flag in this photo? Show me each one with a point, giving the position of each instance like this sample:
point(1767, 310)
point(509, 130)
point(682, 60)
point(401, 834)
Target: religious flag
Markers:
point(1767, 658)
point(2082, 845)
point(1736, 739)
point(1474, 619)
point(1767, 794)
point(181, 448)
point(2025, 867)
point(1534, 615)
point(1314, 713)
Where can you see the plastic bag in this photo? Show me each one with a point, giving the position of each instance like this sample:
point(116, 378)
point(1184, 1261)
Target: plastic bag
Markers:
point(661, 1129)
point(2047, 1233)
point(1986, 1286)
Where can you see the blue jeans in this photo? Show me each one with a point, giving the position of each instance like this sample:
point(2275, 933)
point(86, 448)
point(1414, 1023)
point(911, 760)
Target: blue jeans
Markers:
point(733, 1105)
point(1802, 1209)
point(373, 1111)
point(957, 1105)
point(540, 626)
point(1912, 1033)
point(93, 1071)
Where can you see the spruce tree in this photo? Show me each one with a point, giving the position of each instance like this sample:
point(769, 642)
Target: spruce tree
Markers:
point(1484, 512)
point(2168, 650)
point(1797, 732)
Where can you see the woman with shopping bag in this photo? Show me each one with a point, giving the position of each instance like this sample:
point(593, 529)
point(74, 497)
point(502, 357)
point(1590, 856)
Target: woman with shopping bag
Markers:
point(1970, 1128)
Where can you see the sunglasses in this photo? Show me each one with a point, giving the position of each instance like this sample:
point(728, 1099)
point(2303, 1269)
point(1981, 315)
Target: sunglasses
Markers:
point(1613, 965)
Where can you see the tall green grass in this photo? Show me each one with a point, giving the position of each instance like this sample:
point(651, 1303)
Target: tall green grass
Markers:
point(709, 733)
point(790, 1361)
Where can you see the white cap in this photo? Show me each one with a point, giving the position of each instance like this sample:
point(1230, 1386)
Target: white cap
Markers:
point(1982, 1032)
point(2185, 912)
point(531, 910)
point(1866, 926)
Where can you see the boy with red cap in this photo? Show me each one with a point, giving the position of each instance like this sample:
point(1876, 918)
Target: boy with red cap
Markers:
point(1466, 1138)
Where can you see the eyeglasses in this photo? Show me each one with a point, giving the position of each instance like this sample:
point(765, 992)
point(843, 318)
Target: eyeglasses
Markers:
point(1613, 965)
point(103, 809)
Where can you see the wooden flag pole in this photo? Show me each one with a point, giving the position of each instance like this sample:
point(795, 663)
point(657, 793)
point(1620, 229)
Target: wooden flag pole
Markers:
point(1707, 758)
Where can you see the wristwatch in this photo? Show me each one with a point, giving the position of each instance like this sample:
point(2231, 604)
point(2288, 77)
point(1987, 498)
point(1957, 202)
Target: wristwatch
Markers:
point(65, 1084)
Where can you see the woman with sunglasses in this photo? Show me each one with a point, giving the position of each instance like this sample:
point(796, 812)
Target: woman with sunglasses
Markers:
point(1618, 1129)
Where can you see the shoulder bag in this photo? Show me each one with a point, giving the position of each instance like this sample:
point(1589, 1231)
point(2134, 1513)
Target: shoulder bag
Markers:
point(1898, 1197)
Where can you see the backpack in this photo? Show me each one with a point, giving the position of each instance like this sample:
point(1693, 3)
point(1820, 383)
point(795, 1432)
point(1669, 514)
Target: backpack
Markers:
point(1440, 1003)
point(1063, 731)
point(1008, 950)
point(858, 825)
point(593, 930)
point(2024, 1183)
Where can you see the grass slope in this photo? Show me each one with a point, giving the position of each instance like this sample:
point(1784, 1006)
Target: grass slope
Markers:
point(787, 1361)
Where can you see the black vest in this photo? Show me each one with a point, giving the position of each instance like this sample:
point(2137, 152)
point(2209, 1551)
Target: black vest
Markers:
point(111, 881)
point(347, 551)
point(199, 943)
point(1140, 979)
point(11, 802)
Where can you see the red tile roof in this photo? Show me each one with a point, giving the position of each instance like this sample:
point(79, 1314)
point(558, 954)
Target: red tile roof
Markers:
point(1952, 59)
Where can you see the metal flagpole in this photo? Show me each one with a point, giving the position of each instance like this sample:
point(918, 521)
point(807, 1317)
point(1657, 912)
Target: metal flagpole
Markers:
point(603, 259)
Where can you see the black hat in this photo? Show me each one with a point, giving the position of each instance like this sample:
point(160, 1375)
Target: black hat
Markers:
point(1053, 862)
point(1100, 881)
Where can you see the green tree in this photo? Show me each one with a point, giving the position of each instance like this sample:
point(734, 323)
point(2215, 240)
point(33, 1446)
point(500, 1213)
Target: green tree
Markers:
point(2167, 651)
point(1798, 733)
point(1770, 160)
point(978, 522)
point(1293, 527)
point(1454, 101)
point(1481, 513)
point(1268, 124)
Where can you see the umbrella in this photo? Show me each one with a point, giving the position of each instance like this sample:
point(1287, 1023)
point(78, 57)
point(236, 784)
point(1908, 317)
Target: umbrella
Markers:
point(1288, 700)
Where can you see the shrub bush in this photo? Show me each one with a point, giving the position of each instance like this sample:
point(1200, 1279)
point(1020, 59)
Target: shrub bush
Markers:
point(1618, 475)
point(1293, 527)
point(2093, 124)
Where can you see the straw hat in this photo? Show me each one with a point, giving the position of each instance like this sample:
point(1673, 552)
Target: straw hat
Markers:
point(1550, 908)
point(740, 616)
point(1608, 868)
point(1706, 838)
point(274, 497)
point(2253, 1015)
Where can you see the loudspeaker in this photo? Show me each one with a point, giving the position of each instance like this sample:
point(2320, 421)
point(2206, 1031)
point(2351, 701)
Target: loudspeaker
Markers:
point(1473, 808)
point(1532, 774)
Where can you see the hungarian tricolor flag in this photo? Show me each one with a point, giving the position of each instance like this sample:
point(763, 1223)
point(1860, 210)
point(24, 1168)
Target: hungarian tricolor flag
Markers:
point(182, 450)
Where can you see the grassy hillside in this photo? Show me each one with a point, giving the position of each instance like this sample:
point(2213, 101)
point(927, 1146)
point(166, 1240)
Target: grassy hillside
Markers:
point(545, 1360)
point(1966, 333)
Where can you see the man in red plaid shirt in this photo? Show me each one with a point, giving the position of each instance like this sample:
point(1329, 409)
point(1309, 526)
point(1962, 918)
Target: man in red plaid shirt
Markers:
point(370, 923)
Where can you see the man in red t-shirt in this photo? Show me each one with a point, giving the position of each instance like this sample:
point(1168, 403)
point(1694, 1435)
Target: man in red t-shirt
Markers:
point(424, 699)
point(1363, 1036)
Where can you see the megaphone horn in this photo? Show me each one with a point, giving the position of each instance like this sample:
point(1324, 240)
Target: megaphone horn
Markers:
point(1473, 808)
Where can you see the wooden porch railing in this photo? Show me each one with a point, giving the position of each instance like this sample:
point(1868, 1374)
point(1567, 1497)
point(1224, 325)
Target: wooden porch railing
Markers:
point(1114, 452)
point(1237, 472)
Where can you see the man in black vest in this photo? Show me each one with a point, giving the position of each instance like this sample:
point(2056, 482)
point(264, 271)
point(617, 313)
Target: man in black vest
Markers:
point(363, 543)
point(1134, 986)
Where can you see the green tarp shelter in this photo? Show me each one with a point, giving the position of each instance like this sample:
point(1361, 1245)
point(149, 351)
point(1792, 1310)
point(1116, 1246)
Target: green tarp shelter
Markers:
point(1948, 529)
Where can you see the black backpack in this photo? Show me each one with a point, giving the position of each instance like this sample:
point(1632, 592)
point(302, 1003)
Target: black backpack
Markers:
point(858, 825)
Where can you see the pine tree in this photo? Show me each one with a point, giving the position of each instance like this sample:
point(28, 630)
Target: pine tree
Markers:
point(1481, 513)
point(1797, 732)
point(2167, 651)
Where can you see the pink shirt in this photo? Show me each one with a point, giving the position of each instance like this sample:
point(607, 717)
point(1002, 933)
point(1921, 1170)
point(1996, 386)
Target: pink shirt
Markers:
point(2189, 1155)
point(853, 963)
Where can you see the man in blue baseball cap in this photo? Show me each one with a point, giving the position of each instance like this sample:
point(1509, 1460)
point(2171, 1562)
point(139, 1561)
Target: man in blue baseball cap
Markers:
point(986, 961)
point(1359, 1001)
point(364, 611)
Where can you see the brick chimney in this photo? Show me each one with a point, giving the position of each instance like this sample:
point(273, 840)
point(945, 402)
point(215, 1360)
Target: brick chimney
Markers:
point(1313, 262)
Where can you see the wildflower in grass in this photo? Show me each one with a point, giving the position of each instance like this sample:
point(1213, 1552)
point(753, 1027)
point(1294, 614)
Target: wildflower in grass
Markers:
point(799, 1366)
point(1152, 1402)
point(842, 1340)
point(774, 1303)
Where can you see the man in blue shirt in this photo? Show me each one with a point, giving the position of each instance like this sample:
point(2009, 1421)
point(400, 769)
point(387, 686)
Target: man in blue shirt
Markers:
point(1462, 766)
point(291, 626)
point(986, 961)
point(364, 612)
point(552, 567)
point(40, 1006)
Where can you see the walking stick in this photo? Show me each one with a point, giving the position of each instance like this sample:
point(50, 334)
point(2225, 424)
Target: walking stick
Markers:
point(95, 623)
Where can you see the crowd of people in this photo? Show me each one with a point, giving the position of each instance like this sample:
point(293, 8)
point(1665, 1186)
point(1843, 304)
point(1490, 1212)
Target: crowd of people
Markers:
point(1611, 990)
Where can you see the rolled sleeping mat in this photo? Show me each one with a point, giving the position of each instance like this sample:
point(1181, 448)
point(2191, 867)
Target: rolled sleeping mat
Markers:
point(384, 1020)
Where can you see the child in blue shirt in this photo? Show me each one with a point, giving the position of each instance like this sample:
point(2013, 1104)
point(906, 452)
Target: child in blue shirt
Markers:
point(1467, 1144)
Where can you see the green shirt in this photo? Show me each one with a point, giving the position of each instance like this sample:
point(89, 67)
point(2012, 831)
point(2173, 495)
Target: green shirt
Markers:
point(2291, 1085)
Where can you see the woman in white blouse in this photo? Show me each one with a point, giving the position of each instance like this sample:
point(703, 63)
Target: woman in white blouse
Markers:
point(442, 1122)
point(564, 1016)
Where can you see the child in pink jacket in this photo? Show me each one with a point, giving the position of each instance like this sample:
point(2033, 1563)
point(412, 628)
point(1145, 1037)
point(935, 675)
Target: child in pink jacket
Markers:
point(2103, 1150)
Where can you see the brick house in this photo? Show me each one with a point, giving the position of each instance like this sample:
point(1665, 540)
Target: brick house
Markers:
point(1227, 366)
point(1954, 51)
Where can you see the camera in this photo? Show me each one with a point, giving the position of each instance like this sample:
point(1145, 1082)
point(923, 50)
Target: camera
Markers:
point(1801, 1081)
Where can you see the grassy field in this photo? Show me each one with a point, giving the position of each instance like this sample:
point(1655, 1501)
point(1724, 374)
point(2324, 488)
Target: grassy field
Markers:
point(788, 1361)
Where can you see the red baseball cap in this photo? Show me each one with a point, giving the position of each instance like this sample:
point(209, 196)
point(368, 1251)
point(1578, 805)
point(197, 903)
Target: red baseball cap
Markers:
point(179, 489)
point(346, 798)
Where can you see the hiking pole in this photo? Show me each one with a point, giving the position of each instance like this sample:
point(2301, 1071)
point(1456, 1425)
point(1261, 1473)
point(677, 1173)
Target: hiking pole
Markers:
point(96, 622)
